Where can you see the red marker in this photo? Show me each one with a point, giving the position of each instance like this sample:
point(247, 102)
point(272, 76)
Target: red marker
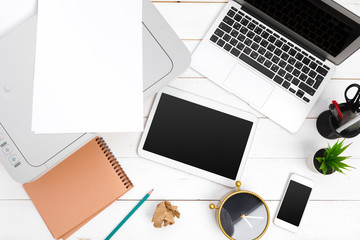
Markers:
point(335, 111)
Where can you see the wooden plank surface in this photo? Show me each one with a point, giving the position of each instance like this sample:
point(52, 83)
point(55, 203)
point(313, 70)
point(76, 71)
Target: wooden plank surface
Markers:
point(275, 154)
point(265, 176)
point(197, 221)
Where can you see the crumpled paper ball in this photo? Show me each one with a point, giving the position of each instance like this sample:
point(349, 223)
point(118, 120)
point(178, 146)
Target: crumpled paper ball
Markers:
point(164, 214)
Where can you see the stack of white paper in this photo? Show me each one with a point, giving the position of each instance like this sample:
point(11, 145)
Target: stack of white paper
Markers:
point(88, 70)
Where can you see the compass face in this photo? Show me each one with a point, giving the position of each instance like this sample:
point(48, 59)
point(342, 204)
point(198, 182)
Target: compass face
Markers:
point(243, 216)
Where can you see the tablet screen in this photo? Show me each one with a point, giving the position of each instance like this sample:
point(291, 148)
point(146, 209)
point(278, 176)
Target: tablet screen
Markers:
point(198, 136)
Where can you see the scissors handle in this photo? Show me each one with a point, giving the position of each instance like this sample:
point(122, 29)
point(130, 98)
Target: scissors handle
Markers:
point(355, 101)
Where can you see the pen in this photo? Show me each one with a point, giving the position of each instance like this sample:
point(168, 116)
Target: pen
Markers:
point(129, 215)
point(351, 123)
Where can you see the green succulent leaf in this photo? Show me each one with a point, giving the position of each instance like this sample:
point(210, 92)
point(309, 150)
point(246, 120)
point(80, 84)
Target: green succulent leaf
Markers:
point(340, 150)
point(325, 170)
point(326, 154)
point(344, 166)
point(332, 158)
point(320, 159)
point(340, 159)
point(322, 166)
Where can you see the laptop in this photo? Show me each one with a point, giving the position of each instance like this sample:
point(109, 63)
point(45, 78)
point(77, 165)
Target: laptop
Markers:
point(27, 156)
point(278, 55)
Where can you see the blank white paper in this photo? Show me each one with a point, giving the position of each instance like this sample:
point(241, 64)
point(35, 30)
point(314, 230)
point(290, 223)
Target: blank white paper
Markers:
point(88, 67)
point(13, 13)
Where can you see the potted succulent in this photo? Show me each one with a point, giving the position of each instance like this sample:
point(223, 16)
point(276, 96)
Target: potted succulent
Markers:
point(328, 160)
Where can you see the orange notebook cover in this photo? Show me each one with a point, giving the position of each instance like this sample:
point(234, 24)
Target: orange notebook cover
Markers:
point(79, 188)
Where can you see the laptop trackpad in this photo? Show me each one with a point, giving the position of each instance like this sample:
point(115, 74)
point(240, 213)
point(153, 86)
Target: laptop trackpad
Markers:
point(248, 85)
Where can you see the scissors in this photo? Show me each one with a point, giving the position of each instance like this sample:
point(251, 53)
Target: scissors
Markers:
point(353, 102)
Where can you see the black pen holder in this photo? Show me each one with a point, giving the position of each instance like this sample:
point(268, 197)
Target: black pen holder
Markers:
point(326, 125)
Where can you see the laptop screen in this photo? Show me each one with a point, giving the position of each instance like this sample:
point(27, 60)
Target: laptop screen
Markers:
point(314, 20)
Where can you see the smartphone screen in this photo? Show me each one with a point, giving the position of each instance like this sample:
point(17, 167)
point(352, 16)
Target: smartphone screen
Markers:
point(294, 203)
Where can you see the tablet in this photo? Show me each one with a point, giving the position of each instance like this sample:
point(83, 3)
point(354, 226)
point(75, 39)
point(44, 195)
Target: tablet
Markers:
point(198, 136)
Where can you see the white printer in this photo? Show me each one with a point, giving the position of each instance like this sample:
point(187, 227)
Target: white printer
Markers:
point(27, 156)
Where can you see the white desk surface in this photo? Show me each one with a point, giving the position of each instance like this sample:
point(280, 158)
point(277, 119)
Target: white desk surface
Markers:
point(332, 213)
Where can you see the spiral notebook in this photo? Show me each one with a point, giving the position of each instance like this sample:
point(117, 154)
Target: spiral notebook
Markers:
point(79, 188)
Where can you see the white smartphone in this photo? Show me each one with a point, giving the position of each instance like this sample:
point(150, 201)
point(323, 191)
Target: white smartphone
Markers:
point(294, 202)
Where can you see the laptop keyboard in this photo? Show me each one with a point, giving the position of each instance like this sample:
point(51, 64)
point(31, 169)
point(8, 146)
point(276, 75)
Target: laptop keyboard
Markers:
point(308, 20)
point(280, 60)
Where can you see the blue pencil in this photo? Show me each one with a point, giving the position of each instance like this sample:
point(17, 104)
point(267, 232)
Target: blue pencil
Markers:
point(129, 215)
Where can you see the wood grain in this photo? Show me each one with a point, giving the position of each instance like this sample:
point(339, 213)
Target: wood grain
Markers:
point(197, 221)
point(265, 176)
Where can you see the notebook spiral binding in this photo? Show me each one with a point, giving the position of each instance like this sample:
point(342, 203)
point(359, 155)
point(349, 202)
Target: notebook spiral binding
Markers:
point(113, 161)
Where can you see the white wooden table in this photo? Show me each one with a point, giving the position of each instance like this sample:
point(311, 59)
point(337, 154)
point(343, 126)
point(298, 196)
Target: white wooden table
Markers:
point(335, 204)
